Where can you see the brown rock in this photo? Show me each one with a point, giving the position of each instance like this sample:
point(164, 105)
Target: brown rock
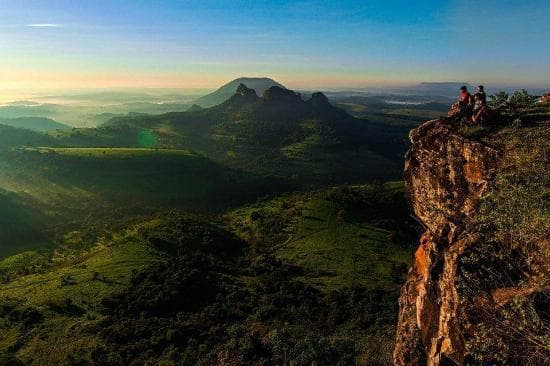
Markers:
point(445, 174)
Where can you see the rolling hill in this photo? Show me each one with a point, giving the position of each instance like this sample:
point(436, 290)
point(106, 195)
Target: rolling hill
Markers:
point(342, 236)
point(12, 136)
point(39, 124)
point(226, 91)
point(23, 224)
point(174, 286)
point(169, 237)
point(277, 134)
point(52, 191)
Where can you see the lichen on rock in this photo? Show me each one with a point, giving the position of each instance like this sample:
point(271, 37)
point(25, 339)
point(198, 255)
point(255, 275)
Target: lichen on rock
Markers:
point(446, 174)
point(478, 291)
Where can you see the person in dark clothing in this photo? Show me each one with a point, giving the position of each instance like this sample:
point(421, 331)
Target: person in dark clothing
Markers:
point(480, 98)
point(480, 112)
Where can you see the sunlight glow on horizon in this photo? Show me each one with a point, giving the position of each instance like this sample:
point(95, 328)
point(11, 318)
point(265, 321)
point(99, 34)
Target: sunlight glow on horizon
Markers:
point(302, 44)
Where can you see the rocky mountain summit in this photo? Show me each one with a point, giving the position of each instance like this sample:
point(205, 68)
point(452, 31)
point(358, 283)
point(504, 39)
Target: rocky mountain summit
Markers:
point(476, 292)
point(260, 85)
point(244, 91)
point(273, 132)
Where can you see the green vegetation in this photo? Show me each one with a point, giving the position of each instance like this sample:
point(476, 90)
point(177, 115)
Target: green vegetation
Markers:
point(23, 225)
point(509, 255)
point(68, 177)
point(198, 289)
point(59, 188)
point(169, 239)
point(39, 124)
point(63, 296)
point(353, 235)
point(111, 152)
point(11, 137)
point(176, 288)
point(304, 142)
point(509, 113)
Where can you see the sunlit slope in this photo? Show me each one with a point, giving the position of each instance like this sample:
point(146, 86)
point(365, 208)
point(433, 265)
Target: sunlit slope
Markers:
point(48, 191)
point(358, 235)
point(66, 297)
point(305, 262)
point(131, 176)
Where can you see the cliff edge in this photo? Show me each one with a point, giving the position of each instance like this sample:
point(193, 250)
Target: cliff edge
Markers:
point(460, 188)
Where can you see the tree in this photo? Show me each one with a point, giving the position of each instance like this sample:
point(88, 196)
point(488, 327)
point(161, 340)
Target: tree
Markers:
point(522, 99)
point(499, 100)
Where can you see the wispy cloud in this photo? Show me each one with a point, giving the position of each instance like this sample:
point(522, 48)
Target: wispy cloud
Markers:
point(44, 25)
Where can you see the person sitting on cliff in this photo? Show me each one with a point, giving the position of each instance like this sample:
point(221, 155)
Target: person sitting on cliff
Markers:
point(462, 108)
point(465, 101)
point(481, 111)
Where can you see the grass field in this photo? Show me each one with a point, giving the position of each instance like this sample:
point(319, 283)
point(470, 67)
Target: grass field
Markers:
point(347, 252)
point(332, 238)
point(64, 299)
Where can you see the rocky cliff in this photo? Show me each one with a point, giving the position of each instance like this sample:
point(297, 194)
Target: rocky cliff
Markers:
point(477, 292)
point(445, 174)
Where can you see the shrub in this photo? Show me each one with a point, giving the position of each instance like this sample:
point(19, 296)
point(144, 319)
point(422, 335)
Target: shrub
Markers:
point(508, 250)
point(498, 100)
point(522, 99)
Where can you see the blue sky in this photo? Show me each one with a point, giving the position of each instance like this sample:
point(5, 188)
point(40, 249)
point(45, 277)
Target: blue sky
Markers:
point(68, 44)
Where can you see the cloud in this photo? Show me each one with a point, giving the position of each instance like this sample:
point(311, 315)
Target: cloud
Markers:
point(44, 25)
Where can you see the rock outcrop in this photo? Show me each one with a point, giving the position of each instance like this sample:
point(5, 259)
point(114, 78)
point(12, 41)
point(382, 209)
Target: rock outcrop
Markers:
point(245, 92)
point(278, 94)
point(446, 174)
point(319, 99)
point(226, 91)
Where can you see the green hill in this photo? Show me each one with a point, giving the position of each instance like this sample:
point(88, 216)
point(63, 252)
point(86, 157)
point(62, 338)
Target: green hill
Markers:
point(104, 187)
point(23, 225)
point(278, 134)
point(133, 176)
point(343, 236)
point(256, 285)
point(226, 91)
point(62, 292)
point(39, 124)
point(11, 136)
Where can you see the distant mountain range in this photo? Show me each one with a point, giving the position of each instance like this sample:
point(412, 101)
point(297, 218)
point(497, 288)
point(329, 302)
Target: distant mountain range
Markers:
point(260, 85)
point(271, 132)
point(448, 89)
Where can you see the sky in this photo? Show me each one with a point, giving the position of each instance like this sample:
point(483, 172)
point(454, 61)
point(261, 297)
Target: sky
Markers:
point(303, 44)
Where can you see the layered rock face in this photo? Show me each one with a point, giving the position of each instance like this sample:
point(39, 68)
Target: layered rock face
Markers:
point(446, 174)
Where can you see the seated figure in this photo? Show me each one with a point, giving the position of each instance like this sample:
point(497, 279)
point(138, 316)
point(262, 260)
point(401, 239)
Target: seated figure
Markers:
point(463, 107)
point(481, 111)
